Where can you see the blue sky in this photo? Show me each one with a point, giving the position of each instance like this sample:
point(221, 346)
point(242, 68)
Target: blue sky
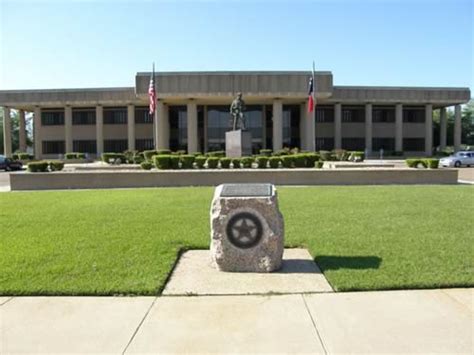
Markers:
point(61, 44)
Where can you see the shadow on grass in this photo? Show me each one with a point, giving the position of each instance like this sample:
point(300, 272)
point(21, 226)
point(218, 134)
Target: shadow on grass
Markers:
point(336, 262)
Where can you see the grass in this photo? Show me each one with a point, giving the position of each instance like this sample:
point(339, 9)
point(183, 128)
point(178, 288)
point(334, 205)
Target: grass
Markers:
point(107, 242)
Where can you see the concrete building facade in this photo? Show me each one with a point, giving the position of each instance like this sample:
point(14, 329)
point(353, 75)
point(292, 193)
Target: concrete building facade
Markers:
point(193, 114)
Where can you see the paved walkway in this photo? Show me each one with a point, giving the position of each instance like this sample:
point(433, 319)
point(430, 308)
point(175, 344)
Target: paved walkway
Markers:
point(423, 321)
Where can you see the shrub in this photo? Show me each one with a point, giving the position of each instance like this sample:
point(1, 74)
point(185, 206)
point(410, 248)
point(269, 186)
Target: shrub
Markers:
point(356, 156)
point(247, 162)
point(266, 152)
point(432, 163)
point(299, 160)
point(146, 165)
point(81, 155)
point(416, 163)
point(287, 161)
point(15, 156)
point(262, 162)
point(196, 154)
point(115, 158)
point(340, 154)
point(149, 154)
point(325, 155)
point(162, 161)
point(56, 165)
point(187, 161)
point(200, 161)
point(174, 161)
point(318, 164)
point(311, 158)
point(163, 152)
point(225, 163)
point(212, 162)
point(69, 156)
point(236, 163)
point(139, 158)
point(217, 153)
point(38, 166)
point(284, 151)
point(274, 162)
point(23, 156)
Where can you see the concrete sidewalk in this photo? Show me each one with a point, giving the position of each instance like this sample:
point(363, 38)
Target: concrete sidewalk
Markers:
point(423, 321)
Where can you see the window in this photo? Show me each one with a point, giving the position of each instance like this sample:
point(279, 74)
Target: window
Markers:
point(353, 143)
point(115, 115)
point(324, 114)
point(144, 144)
point(115, 145)
point(324, 143)
point(83, 116)
point(178, 119)
point(218, 122)
point(414, 114)
point(84, 146)
point(383, 114)
point(387, 144)
point(414, 144)
point(142, 115)
point(52, 117)
point(353, 114)
point(53, 147)
point(291, 126)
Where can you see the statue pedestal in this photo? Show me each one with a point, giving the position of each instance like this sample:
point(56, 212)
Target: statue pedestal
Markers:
point(238, 143)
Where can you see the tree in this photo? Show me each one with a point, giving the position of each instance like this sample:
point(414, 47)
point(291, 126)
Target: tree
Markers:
point(15, 122)
point(467, 126)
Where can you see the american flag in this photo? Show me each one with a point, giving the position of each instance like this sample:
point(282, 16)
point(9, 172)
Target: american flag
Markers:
point(310, 95)
point(152, 92)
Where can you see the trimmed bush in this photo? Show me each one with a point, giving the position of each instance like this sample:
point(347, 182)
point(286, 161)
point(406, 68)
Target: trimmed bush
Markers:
point(139, 158)
point(318, 164)
point(262, 162)
point(21, 156)
point(225, 163)
point(236, 163)
point(115, 158)
point(274, 162)
point(416, 163)
point(247, 162)
point(162, 162)
point(299, 160)
point(432, 163)
point(187, 161)
point(174, 161)
point(163, 152)
point(38, 166)
point(212, 162)
point(284, 151)
point(56, 165)
point(311, 158)
point(146, 165)
point(149, 154)
point(69, 156)
point(287, 161)
point(266, 152)
point(217, 153)
point(200, 161)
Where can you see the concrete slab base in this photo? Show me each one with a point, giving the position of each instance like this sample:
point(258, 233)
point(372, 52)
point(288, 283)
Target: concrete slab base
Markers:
point(194, 275)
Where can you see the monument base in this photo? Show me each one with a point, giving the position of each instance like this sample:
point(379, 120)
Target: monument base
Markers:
point(238, 143)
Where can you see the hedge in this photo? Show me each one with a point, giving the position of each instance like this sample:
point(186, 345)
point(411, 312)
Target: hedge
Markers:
point(162, 161)
point(174, 161)
point(56, 165)
point(262, 162)
point(73, 155)
point(146, 165)
point(318, 164)
point(114, 157)
point(299, 160)
point(187, 161)
point(266, 152)
point(287, 161)
point(311, 158)
point(246, 162)
point(163, 152)
point(432, 163)
point(21, 156)
point(236, 163)
point(415, 162)
point(225, 163)
point(212, 162)
point(200, 161)
point(38, 166)
point(217, 153)
point(274, 162)
point(149, 154)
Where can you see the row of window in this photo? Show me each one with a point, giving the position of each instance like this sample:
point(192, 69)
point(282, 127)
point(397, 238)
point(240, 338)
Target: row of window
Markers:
point(380, 114)
point(87, 116)
point(387, 144)
point(90, 146)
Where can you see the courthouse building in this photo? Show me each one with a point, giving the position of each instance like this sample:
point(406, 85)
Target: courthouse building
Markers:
point(193, 114)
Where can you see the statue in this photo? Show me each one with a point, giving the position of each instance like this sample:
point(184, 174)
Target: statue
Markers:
point(237, 109)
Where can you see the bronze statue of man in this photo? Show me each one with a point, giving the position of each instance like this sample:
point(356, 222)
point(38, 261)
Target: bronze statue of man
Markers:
point(237, 109)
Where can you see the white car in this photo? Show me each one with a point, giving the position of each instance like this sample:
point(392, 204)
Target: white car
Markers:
point(458, 159)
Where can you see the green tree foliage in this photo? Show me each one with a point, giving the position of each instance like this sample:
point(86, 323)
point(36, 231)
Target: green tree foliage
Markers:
point(467, 125)
point(15, 119)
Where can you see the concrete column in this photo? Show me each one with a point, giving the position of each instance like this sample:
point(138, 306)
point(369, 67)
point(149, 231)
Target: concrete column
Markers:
point(7, 132)
point(131, 126)
point(22, 131)
point(368, 128)
point(206, 143)
point(68, 128)
point(99, 129)
point(337, 126)
point(457, 128)
point(162, 125)
point(37, 133)
point(310, 129)
point(428, 129)
point(442, 128)
point(399, 127)
point(192, 123)
point(277, 124)
point(264, 127)
point(303, 127)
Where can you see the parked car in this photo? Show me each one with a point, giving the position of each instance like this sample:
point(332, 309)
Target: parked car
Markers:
point(9, 164)
point(463, 158)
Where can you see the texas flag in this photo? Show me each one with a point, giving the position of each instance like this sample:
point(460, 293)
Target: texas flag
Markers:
point(310, 95)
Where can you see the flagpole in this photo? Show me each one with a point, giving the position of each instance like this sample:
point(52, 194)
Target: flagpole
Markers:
point(313, 123)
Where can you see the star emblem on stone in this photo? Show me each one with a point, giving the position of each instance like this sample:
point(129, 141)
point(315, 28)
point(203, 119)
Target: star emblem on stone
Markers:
point(245, 230)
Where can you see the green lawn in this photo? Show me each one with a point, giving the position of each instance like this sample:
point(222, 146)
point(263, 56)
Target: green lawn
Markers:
point(126, 241)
